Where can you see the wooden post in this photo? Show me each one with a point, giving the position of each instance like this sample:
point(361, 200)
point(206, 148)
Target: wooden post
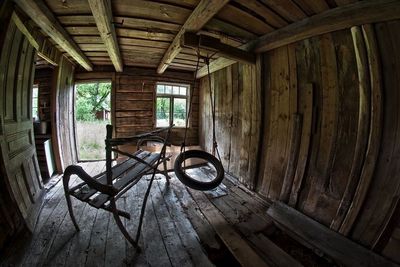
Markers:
point(108, 154)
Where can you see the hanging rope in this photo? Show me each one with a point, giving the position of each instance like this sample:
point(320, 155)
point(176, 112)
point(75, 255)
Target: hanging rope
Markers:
point(212, 101)
point(190, 103)
point(210, 158)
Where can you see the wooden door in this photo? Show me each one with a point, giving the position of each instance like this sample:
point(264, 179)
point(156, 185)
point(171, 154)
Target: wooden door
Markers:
point(20, 173)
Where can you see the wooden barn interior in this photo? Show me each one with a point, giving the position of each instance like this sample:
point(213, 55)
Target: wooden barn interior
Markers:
point(302, 96)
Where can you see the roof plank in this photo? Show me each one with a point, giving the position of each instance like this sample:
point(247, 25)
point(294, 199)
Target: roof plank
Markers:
point(339, 18)
point(44, 18)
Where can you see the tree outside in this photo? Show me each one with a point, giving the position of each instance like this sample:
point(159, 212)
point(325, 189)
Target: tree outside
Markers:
point(91, 98)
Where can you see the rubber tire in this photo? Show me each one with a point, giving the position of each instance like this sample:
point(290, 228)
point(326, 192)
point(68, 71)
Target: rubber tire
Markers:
point(189, 181)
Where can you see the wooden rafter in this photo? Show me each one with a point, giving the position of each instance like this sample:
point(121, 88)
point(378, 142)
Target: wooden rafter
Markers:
point(339, 18)
point(204, 11)
point(102, 14)
point(44, 18)
point(44, 48)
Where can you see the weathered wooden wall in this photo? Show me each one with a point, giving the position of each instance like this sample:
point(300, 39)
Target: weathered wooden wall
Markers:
point(329, 141)
point(133, 100)
point(238, 119)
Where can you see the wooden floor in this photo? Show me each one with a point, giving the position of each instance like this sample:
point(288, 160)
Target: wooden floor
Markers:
point(182, 227)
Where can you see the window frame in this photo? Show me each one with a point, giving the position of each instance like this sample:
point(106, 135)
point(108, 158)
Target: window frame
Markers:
point(36, 101)
point(171, 97)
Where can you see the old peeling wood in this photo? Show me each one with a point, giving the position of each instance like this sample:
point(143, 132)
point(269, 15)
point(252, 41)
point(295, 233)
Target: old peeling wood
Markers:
point(192, 40)
point(314, 234)
point(293, 157)
point(102, 14)
point(362, 129)
point(204, 11)
point(45, 19)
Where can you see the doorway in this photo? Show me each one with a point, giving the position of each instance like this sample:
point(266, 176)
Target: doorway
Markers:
point(92, 114)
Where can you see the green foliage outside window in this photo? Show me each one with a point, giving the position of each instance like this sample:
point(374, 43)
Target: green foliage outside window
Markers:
point(90, 98)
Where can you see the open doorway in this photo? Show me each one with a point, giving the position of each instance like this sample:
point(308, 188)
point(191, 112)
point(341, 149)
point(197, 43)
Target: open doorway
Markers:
point(92, 114)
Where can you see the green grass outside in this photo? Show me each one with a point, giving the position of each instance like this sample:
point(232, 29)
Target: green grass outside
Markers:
point(90, 137)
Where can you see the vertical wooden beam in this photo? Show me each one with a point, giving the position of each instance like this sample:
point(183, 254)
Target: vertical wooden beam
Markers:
point(45, 19)
point(102, 14)
point(375, 132)
point(204, 11)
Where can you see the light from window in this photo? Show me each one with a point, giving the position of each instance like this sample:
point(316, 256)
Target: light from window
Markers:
point(171, 104)
point(35, 102)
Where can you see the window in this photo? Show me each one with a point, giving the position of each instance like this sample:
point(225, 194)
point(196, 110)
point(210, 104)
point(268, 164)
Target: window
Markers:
point(35, 102)
point(171, 104)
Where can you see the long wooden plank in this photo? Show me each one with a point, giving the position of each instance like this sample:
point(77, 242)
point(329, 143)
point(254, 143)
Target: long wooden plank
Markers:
point(343, 250)
point(102, 14)
point(239, 248)
point(204, 11)
point(363, 125)
point(358, 13)
point(44, 18)
point(375, 132)
point(295, 140)
point(186, 232)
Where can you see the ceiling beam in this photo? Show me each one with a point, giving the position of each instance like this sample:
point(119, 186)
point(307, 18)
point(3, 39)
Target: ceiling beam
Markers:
point(223, 62)
point(204, 11)
point(343, 17)
point(44, 18)
point(192, 40)
point(102, 13)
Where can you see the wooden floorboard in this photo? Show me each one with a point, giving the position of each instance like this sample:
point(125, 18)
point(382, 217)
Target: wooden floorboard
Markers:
point(177, 229)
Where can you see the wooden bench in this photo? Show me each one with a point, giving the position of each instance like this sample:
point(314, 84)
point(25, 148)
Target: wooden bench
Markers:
point(103, 190)
point(318, 237)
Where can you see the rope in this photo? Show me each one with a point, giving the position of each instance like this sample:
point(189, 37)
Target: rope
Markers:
point(212, 101)
point(183, 146)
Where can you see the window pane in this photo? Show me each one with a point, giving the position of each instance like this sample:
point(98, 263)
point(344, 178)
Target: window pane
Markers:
point(168, 89)
point(160, 89)
point(35, 92)
point(179, 112)
point(183, 90)
point(35, 99)
point(163, 111)
point(176, 90)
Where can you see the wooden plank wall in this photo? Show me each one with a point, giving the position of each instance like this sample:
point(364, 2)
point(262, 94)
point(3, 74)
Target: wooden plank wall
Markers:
point(134, 96)
point(238, 119)
point(338, 95)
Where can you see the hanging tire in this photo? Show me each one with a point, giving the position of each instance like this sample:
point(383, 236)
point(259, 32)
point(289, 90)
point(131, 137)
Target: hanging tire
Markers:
point(193, 183)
